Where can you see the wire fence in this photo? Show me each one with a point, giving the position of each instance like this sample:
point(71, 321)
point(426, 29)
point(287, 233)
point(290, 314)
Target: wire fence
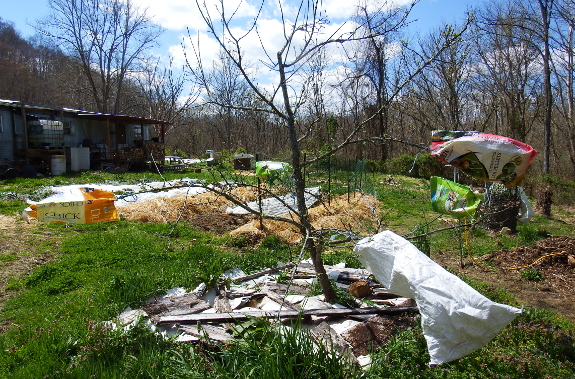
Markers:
point(337, 176)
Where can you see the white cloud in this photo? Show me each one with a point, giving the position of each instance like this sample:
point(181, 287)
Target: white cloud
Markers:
point(201, 44)
point(263, 47)
point(344, 9)
point(179, 14)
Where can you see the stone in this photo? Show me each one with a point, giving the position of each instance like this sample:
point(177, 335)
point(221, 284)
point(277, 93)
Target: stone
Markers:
point(360, 289)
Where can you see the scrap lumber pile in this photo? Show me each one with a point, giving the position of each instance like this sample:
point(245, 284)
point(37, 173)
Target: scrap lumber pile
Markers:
point(202, 313)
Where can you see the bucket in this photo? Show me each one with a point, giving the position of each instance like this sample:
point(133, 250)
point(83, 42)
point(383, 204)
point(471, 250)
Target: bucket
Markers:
point(58, 164)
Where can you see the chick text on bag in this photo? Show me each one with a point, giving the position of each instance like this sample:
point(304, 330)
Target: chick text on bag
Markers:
point(76, 206)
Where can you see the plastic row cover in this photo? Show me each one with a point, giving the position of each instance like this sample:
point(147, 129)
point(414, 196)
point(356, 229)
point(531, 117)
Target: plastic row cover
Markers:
point(456, 319)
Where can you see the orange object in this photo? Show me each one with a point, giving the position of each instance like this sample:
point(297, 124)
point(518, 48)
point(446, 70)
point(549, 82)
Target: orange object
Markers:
point(97, 206)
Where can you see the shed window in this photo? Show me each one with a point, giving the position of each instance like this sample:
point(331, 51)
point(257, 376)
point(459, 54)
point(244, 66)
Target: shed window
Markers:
point(137, 132)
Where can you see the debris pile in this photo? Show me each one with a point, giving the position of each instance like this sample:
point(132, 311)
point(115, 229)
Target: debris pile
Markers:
point(202, 313)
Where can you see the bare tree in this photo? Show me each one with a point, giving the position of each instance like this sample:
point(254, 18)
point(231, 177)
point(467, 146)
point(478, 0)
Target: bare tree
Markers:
point(304, 36)
point(375, 55)
point(161, 94)
point(227, 87)
point(507, 76)
point(444, 88)
point(564, 69)
point(546, 11)
point(107, 37)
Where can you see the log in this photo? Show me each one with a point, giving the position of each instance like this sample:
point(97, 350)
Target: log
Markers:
point(382, 293)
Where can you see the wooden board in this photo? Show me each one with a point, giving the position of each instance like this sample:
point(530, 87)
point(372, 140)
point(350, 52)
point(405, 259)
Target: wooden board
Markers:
point(241, 316)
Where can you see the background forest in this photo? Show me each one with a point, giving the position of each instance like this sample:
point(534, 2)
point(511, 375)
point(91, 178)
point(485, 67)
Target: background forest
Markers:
point(508, 68)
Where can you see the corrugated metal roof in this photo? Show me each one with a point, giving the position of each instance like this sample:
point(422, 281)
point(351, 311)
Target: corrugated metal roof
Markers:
point(84, 113)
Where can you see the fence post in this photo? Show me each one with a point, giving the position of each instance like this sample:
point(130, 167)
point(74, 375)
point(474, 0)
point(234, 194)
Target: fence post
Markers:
point(260, 198)
point(329, 179)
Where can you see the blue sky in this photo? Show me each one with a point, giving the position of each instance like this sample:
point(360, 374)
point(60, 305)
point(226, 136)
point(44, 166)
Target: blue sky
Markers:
point(175, 15)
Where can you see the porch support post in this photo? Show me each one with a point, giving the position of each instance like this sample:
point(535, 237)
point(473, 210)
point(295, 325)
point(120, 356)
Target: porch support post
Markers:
point(108, 138)
point(25, 127)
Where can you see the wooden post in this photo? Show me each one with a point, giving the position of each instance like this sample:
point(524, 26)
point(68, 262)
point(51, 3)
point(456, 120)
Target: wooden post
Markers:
point(163, 134)
point(260, 200)
point(108, 138)
point(25, 127)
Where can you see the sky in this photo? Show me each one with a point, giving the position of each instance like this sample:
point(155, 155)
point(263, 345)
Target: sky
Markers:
point(177, 15)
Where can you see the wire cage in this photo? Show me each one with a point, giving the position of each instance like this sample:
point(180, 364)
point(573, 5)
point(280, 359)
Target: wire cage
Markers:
point(500, 207)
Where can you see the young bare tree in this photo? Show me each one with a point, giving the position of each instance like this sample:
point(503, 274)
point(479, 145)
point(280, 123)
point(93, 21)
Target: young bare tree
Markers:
point(564, 69)
point(162, 94)
point(304, 35)
point(444, 88)
point(107, 37)
point(507, 80)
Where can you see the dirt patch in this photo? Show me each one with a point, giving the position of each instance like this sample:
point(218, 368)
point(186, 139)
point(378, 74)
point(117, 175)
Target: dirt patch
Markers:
point(376, 331)
point(551, 283)
point(19, 253)
point(218, 223)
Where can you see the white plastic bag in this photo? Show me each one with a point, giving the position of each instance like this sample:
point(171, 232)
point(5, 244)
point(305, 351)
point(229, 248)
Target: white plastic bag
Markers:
point(525, 210)
point(456, 319)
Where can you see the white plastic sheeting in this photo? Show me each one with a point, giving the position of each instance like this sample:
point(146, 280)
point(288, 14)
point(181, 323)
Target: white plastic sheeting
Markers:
point(279, 206)
point(456, 319)
point(131, 193)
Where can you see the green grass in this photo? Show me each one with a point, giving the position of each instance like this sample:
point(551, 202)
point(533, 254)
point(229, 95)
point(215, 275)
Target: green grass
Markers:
point(533, 275)
point(530, 347)
point(55, 325)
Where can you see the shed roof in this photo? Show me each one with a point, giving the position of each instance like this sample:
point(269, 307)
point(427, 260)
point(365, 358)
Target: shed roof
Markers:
point(83, 113)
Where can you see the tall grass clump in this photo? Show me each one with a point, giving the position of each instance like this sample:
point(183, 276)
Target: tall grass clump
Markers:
point(278, 352)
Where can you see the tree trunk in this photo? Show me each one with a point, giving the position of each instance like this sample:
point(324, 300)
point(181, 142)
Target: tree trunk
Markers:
point(544, 201)
point(545, 8)
point(306, 227)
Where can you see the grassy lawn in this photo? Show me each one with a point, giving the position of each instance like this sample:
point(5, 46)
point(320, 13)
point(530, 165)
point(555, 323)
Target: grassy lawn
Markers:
point(53, 324)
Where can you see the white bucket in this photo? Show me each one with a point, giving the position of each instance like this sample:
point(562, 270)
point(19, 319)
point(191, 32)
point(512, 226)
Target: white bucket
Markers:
point(216, 156)
point(58, 164)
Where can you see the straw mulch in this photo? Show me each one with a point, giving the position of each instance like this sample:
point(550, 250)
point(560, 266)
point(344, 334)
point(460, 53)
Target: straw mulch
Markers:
point(346, 212)
point(162, 209)
point(339, 214)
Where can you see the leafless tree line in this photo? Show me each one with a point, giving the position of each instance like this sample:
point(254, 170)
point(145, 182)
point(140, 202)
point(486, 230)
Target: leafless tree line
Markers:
point(507, 68)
